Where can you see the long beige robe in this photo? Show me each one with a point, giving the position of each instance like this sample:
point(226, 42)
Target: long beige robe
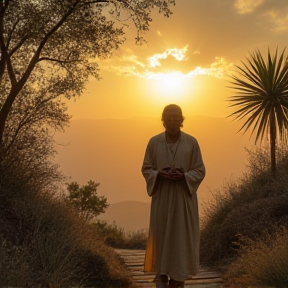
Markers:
point(173, 241)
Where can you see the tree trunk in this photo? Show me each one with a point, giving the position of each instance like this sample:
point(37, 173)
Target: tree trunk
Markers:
point(2, 44)
point(273, 143)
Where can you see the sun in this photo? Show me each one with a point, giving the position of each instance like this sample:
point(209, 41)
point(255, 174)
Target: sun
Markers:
point(171, 86)
point(170, 82)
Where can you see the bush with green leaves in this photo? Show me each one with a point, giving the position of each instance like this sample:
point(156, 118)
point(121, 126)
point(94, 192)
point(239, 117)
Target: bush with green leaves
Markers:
point(86, 200)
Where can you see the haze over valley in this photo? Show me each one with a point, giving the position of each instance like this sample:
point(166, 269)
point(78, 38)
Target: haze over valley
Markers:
point(110, 151)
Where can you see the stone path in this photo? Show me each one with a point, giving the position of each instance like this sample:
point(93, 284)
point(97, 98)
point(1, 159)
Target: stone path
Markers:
point(134, 260)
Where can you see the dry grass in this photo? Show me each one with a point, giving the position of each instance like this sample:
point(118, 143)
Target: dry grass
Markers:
point(248, 208)
point(44, 243)
point(263, 261)
point(57, 248)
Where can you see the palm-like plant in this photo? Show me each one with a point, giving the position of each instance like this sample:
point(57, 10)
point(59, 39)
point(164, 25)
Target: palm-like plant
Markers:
point(261, 98)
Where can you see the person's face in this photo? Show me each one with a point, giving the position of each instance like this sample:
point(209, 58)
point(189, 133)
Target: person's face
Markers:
point(172, 120)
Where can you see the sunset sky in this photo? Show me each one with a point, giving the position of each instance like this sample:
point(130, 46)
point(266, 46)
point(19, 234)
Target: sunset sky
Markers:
point(186, 59)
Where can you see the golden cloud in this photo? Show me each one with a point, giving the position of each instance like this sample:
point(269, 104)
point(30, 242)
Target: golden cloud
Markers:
point(247, 6)
point(154, 67)
point(178, 54)
point(279, 19)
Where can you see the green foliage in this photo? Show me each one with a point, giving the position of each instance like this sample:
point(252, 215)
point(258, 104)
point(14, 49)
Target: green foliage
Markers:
point(261, 98)
point(247, 207)
point(261, 93)
point(85, 199)
point(116, 237)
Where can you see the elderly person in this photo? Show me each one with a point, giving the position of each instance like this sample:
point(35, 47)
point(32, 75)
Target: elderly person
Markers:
point(173, 169)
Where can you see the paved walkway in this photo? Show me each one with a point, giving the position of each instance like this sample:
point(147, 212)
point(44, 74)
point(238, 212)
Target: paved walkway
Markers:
point(134, 260)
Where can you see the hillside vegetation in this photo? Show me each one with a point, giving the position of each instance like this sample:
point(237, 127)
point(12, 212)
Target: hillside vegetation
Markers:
point(244, 230)
point(43, 240)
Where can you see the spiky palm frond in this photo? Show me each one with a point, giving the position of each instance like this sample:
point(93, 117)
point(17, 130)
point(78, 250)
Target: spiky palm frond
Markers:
point(262, 94)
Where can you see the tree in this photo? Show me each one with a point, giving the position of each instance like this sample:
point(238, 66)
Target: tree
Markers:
point(86, 200)
point(49, 48)
point(262, 97)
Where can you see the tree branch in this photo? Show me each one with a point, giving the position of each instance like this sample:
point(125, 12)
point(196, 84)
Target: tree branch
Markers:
point(11, 33)
point(62, 62)
point(3, 49)
point(17, 86)
point(21, 42)
point(5, 59)
point(95, 2)
point(36, 56)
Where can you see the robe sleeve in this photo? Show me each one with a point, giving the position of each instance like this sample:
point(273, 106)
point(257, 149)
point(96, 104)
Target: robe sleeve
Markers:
point(148, 170)
point(197, 171)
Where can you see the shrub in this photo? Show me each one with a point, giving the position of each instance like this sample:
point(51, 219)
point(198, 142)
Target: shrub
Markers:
point(13, 266)
point(53, 246)
point(116, 237)
point(43, 241)
point(262, 261)
point(247, 207)
point(86, 200)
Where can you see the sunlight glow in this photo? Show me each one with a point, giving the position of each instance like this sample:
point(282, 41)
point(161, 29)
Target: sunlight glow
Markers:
point(171, 81)
point(169, 87)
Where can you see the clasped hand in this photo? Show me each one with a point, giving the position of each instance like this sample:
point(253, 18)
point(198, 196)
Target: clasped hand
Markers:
point(171, 174)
